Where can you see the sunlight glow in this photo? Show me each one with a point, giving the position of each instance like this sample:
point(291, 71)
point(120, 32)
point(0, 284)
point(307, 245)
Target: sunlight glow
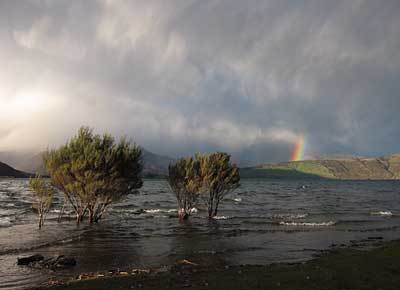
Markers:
point(23, 104)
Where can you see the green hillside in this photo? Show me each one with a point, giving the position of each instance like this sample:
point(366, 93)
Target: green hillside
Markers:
point(387, 167)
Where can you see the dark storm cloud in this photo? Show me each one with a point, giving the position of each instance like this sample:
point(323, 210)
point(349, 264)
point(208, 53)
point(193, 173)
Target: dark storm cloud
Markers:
point(248, 77)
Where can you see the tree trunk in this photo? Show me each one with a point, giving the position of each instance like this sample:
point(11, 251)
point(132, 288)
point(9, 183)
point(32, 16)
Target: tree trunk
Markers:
point(80, 214)
point(183, 215)
point(92, 213)
point(210, 206)
point(91, 216)
point(61, 213)
point(99, 211)
point(180, 214)
point(216, 208)
point(79, 218)
point(210, 212)
point(215, 212)
point(40, 221)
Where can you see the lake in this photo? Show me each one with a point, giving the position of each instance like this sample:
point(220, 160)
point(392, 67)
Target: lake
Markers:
point(262, 222)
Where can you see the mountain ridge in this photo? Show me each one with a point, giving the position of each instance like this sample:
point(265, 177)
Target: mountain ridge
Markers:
point(355, 168)
point(8, 171)
point(325, 167)
point(154, 164)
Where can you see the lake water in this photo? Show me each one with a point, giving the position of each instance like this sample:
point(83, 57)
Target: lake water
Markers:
point(262, 222)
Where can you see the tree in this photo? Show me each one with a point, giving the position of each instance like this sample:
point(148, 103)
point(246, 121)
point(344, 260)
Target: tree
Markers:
point(218, 177)
point(184, 181)
point(43, 197)
point(94, 171)
point(210, 176)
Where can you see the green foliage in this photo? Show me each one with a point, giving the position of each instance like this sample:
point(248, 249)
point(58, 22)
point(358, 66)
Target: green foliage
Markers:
point(219, 178)
point(210, 176)
point(185, 182)
point(43, 197)
point(94, 171)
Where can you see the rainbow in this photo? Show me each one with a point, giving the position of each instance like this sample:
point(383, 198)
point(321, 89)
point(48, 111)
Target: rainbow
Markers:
point(298, 152)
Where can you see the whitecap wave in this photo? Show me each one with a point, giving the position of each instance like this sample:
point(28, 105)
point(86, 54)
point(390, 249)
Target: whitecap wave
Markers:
point(308, 224)
point(222, 217)
point(159, 210)
point(153, 210)
point(382, 213)
point(290, 216)
point(237, 199)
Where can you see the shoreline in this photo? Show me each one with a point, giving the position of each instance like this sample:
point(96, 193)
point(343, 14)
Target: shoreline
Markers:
point(355, 267)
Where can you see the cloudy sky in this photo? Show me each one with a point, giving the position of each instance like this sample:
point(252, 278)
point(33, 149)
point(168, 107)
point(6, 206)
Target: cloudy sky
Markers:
point(248, 77)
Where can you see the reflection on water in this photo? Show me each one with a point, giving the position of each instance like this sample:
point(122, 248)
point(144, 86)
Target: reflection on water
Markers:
point(264, 221)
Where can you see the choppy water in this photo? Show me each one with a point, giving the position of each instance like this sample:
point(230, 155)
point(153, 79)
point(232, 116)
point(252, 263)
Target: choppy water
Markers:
point(263, 222)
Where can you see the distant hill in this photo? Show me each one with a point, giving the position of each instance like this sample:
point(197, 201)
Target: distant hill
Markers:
point(387, 167)
point(154, 164)
point(336, 157)
point(8, 171)
point(33, 165)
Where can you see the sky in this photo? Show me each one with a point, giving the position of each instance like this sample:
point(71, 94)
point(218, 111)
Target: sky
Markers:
point(185, 76)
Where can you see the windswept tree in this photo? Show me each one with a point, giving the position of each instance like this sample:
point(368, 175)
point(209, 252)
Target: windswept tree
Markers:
point(94, 171)
point(209, 176)
point(43, 192)
point(184, 180)
point(218, 178)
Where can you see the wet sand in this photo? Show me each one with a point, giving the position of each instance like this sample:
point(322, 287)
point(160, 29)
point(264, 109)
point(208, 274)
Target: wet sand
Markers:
point(339, 268)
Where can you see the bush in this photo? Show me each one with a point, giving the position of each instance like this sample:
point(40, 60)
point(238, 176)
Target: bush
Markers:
point(219, 178)
point(185, 182)
point(209, 176)
point(94, 171)
point(43, 197)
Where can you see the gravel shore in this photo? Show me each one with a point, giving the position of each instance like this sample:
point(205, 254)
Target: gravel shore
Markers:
point(341, 268)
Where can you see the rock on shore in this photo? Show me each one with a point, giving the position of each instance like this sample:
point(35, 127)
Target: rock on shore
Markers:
point(38, 261)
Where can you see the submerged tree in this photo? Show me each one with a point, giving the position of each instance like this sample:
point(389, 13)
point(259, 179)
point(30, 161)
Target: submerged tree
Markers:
point(218, 177)
point(43, 197)
point(94, 171)
point(209, 176)
point(185, 182)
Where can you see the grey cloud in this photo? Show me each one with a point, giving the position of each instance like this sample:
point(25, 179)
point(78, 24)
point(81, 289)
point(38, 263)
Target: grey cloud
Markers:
point(186, 76)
